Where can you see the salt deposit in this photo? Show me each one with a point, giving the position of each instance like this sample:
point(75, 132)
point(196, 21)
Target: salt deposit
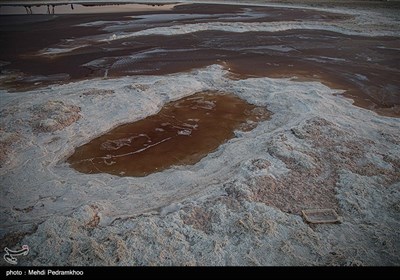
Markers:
point(239, 205)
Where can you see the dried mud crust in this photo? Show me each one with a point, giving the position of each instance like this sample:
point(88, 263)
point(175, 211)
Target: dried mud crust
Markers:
point(41, 118)
point(7, 140)
point(328, 167)
point(252, 234)
point(53, 115)
point(320, 150)
point(95, 91)
point(9, 135)
point(12, 239)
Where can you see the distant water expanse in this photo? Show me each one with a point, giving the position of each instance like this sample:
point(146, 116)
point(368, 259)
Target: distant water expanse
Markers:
point(79, 8)
point(250, 41)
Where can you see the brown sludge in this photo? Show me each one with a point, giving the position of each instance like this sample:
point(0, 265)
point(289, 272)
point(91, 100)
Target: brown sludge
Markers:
point(183, 132)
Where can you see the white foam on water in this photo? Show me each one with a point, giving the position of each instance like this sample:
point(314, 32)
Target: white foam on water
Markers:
point(98, 23)
point(241, 27)
point(59, 50)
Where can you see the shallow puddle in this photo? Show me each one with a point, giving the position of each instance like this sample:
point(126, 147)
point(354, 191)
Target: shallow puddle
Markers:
point(182, 133)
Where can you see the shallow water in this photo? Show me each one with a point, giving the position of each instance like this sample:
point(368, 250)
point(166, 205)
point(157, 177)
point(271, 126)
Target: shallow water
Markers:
point(80, 8)
point(183, 132)
point(74, 47)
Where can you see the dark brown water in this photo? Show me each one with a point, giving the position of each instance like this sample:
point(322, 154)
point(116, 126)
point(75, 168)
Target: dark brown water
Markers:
point(367, 68)
point(183, 132)
point(78, 8)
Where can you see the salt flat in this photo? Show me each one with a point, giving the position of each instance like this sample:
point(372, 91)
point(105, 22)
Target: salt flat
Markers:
point(241, 204)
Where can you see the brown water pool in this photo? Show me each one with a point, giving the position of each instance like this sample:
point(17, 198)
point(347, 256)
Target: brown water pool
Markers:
point(182, 133)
